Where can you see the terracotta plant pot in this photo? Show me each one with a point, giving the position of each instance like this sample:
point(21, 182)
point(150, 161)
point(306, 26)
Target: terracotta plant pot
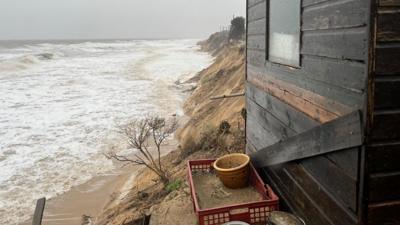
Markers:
point(233, 170)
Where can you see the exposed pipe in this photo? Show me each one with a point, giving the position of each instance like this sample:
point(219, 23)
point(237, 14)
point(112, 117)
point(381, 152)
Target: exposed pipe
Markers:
point(227, 96)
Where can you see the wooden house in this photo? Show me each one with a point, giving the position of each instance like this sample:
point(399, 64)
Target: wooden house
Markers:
point(323, 106)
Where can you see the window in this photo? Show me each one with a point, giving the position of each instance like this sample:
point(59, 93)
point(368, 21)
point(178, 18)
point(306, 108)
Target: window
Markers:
point(284, 32)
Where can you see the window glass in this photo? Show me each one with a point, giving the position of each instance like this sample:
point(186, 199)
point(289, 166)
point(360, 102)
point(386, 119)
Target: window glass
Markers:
point(284, 32)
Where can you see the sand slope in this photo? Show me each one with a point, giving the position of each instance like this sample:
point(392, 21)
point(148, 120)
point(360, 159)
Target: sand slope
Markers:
point(224, 76)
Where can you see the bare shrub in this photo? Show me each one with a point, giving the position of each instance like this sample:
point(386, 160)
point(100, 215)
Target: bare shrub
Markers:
point(222, 138)
point(188, 147)
point(208, 138)
point(238, 144)
point(243, 113)
point(224, 127)
point(139, 134)
point(214, 138)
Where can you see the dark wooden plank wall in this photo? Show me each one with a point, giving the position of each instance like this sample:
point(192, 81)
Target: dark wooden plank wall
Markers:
point(383, 151)
point(283, 101)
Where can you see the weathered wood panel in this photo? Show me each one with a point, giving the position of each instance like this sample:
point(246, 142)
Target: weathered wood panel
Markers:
point(342, 133)
point(334, 179)
point(307, 197)
point(268, 121)
point(383, 152)
point(387, 93)
point(338, 95)
point(339, 98)
point(336, 213)
point(386, 213)
point(345, 159)
point(250, 148)
point(384, 157)
point(254, 2)
point(255, 58)
point(386, 126)
point(303, 105)
point(341, 73)
point(388, 25)
point(341, 44)
point(256, 42)
point(331, 82)
point(308, 102)
point(297, 198)
point(257, 27)
point(387, 59)
point(389, 2)
point(258, 135)
point(384, 187)
point(384, 177)
point(257, 12)
point(291, 118)
point(342, 14)
point(345, 162)
point(313, 2)
point(288, 115)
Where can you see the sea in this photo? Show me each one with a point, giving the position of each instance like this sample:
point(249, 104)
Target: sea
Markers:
point(62, 101)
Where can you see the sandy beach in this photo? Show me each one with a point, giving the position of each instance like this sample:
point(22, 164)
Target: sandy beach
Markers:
point(91, 198)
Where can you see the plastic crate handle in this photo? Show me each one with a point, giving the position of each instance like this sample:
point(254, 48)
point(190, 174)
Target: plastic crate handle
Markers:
point(238, 211)
point(240, 214)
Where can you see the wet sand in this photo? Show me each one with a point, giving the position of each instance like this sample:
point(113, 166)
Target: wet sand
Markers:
point(87, 199)
point(92, 197)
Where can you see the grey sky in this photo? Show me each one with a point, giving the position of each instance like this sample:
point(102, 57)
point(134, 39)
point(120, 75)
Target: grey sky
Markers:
point(81, 19)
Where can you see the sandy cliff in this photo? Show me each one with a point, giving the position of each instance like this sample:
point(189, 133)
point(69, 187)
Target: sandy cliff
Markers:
point(173, 206)
point(224, 77)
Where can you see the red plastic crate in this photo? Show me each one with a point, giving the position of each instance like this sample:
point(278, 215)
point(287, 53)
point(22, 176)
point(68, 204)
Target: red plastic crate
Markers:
point(253, 212)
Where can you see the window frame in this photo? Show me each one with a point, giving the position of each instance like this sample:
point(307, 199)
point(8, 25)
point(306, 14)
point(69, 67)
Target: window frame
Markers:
point(267, 36)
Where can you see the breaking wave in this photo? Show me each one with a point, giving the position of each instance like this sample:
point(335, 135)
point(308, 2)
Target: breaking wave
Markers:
point(60, 104)
point(24, 62)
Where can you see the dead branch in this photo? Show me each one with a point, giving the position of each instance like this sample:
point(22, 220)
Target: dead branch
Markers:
point(138, 134)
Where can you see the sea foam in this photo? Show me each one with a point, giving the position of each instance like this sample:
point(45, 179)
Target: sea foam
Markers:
point(60, 103)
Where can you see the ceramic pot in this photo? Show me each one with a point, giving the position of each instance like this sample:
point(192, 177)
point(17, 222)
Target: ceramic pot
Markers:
point(233, 170)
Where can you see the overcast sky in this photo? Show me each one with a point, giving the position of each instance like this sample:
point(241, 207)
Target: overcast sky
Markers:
point(86, 19)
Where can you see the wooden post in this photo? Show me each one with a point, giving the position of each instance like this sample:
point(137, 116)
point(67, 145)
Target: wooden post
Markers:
point(37, 217)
